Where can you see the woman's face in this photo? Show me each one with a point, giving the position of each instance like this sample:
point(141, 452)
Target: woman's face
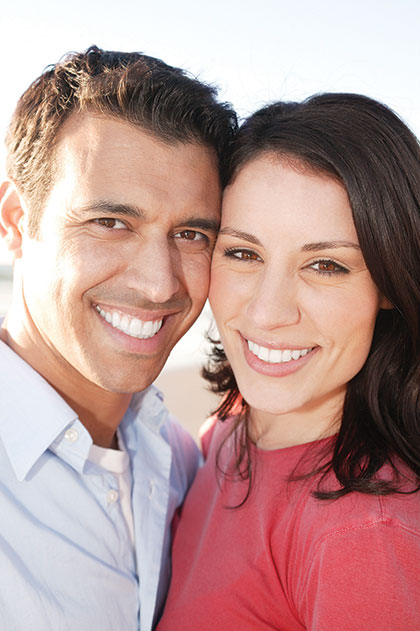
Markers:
point(293, 300)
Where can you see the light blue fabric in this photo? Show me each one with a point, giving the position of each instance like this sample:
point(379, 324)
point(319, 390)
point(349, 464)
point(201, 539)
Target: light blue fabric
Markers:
point(66, 560)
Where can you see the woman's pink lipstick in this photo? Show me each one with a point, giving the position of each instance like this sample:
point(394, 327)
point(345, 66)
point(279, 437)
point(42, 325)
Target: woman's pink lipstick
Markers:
point(281, 369)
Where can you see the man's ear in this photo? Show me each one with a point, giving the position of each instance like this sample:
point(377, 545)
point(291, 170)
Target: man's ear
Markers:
point(12, 216)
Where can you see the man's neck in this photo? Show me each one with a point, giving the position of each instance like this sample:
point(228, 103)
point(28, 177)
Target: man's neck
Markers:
point(99, 410)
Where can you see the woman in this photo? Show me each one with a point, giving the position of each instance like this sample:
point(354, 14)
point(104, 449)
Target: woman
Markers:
point(306, 514)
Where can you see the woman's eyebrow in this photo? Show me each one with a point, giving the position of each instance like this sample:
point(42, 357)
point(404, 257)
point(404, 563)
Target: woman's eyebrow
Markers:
point(308, 247)
point(329, 245)
point(240, 235)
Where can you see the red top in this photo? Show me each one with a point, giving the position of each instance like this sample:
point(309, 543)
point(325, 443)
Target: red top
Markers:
point(286, 560)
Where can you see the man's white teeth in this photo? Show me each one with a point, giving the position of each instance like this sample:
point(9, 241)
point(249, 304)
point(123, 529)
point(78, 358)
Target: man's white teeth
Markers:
point(131, 326)
point(276, 356)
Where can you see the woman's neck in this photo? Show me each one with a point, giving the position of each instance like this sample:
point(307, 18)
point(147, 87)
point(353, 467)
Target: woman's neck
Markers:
point(278, 430)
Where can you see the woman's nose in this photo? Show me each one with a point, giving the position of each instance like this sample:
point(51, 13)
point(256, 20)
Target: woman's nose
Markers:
point(274, 303)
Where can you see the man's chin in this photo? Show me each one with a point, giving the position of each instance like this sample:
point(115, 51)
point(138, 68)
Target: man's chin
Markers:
point(126, 384)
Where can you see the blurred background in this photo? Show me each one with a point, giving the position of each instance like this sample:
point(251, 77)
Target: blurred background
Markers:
point(254, 52)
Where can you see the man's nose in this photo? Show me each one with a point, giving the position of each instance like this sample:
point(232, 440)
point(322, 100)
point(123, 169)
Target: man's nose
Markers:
point(153, 271)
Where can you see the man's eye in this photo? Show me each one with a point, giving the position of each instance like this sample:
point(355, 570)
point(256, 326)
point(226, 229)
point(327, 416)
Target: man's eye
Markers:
point(110, 222)
point(190, 235)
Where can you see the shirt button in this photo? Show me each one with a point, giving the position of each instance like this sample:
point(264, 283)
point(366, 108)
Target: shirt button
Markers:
point(151, 487)
point(71, 435)
point(112, 496)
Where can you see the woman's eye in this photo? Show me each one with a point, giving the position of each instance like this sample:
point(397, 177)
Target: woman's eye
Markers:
point(242, 254)
point(110, 222)
point(327, 266)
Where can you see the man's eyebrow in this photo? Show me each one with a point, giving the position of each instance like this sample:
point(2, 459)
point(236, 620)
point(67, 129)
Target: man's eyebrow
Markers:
point(106, 207)
point(200, 222)
point(240, 235)
point(329, 245)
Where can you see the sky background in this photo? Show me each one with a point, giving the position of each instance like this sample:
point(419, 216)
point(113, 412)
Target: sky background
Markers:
point(254, 51)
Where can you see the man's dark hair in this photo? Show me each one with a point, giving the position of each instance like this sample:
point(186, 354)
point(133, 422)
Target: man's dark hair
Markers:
point(372, 153)
point(132, 87)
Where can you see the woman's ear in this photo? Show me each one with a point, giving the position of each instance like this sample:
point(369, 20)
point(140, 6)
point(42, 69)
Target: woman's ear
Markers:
point(385, 303)
point(12, 218)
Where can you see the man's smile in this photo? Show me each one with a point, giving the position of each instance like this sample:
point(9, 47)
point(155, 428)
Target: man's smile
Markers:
point(134, 327)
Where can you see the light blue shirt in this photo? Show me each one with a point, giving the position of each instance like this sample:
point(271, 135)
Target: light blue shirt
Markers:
point(66, 558)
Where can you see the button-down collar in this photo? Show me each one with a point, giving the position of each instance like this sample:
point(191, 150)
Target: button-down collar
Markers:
point(34, 417)
point(32, 413)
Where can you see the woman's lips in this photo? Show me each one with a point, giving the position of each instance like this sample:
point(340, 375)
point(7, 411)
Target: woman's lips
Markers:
point(276, 362)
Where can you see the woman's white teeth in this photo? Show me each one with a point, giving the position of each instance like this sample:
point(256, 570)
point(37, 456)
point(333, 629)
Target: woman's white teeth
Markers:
point(276, 356)
point(131, 326)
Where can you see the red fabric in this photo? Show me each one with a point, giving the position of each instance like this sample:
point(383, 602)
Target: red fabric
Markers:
point(287, 561)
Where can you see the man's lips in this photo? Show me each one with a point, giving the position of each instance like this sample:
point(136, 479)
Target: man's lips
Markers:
point(129, 324)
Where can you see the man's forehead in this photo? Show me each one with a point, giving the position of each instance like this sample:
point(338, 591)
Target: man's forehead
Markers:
point(90, 141)
point(91, 129)
point(102, 158)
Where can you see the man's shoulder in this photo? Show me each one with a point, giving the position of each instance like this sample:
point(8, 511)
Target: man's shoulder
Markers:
point(186, 457)
point(152, 412)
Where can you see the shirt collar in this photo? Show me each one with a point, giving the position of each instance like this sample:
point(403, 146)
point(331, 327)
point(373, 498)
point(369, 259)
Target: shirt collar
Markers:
point(34, 417)
point(149, 408)
point(32, 413)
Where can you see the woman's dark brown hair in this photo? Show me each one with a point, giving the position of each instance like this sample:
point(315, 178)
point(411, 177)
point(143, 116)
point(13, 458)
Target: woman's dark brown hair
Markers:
point(367, 147)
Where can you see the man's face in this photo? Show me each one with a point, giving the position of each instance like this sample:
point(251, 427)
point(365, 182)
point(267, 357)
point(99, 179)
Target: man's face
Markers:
point(120, 270)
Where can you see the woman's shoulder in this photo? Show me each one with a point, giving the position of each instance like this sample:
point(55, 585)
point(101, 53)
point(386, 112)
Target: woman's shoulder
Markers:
point(351, 552)
point(337, 541)
point(358, 511)
point(206, 430)
point(213, 431)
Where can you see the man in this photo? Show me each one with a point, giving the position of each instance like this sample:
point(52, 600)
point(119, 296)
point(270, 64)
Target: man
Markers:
point(110, 209)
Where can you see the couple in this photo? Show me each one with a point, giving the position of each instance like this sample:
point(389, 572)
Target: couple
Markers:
point(306, 513)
